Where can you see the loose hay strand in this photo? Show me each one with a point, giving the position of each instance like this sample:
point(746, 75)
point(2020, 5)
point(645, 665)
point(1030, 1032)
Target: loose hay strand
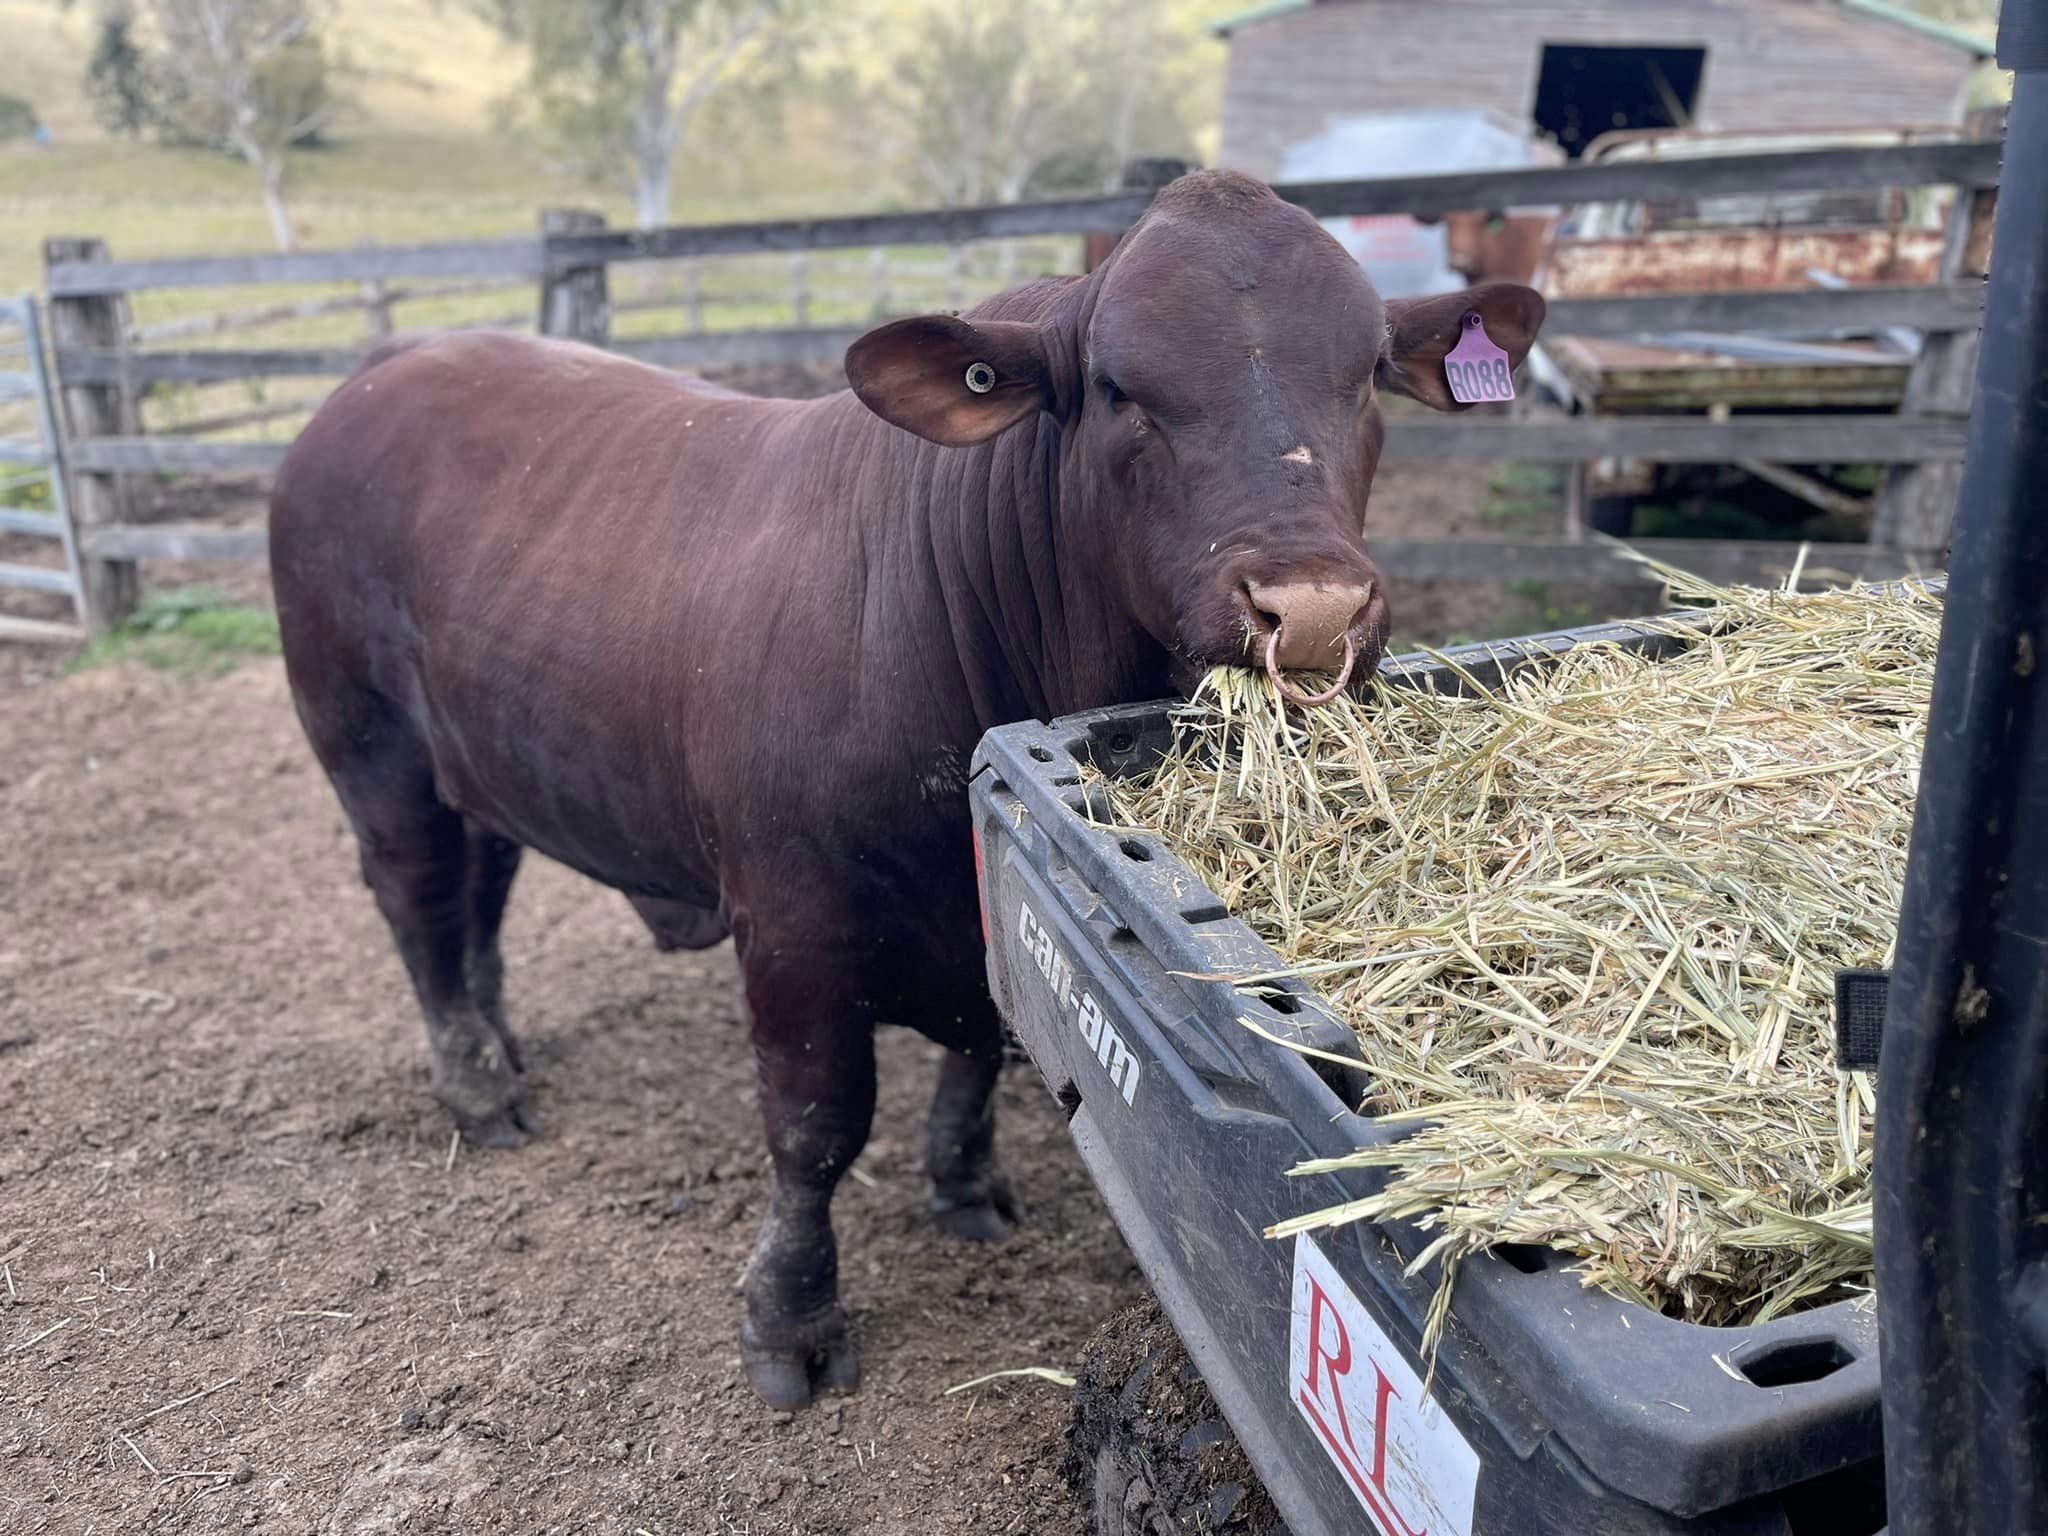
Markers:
point(1586, 925)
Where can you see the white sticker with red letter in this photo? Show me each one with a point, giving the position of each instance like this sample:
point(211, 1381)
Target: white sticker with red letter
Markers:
point(1406, 1463)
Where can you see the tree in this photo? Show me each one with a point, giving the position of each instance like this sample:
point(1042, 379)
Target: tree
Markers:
point(980, 96)
point(120, 81)
point(1005, 98)
point(619, 83)
point(250, 76)
point(1980, 12)
point(18, 118)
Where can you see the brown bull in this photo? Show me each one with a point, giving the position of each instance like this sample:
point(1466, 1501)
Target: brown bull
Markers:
point(731, 656)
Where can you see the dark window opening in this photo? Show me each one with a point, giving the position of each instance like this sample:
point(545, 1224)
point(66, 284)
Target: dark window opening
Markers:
point(1584, 92)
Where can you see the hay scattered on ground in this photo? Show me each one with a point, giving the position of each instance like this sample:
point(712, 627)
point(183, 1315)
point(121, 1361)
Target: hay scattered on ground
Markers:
point(1587, 928)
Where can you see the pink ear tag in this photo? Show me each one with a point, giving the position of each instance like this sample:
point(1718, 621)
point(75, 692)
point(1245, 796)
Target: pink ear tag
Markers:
point(1476, 368)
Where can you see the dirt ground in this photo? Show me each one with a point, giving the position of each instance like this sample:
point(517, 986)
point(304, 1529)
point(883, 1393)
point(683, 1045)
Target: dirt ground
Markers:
point(247, 1284)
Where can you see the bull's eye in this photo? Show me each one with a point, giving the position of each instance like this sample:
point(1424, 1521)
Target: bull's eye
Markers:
point(1112, 394)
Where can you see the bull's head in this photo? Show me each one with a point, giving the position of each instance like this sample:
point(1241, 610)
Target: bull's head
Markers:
point(1216, 383)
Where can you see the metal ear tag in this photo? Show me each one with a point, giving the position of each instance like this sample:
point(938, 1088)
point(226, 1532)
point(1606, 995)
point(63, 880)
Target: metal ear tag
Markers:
point(980, 378)
point(1477, 369)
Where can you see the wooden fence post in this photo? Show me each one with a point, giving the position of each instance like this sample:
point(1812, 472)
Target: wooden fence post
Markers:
point(1578, 491)
point(377, 308)
point(98, 500)
point(574, 300)
point(956, 276)
point(1916, 503)
point(1138, 176)
point(693, 294)
point(878, 279)
point(800, 288)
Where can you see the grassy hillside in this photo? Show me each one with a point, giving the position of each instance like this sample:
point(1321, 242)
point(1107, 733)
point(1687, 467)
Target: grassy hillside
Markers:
point(429, 67)
point(45, 53)
point(415, 158)
point(412, 160)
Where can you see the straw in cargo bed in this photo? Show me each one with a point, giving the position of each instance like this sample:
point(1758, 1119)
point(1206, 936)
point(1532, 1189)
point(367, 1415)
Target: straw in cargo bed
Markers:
point(1586, 927)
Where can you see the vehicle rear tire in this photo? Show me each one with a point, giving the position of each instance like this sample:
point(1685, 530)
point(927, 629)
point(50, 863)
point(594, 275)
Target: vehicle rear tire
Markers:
point(1148, 1453)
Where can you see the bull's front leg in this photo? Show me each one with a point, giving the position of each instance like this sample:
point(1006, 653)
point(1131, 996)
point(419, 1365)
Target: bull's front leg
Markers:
point(815, 1056)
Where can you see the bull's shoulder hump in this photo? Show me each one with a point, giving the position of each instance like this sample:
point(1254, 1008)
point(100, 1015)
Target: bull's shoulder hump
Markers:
point(514, 356)
point(545, 362)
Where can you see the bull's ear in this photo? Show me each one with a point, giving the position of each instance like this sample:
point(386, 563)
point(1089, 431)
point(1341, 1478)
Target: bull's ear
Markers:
point(1420, 332)
point(949, 380)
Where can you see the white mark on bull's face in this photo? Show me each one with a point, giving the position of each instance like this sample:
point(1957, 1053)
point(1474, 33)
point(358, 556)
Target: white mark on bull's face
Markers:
point(1298, 454)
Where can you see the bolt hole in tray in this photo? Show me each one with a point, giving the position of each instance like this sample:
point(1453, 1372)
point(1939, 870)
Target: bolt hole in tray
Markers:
point(1553, 1407)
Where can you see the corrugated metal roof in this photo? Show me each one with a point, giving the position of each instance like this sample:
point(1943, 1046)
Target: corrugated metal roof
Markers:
point(1876, 10)
point(1257, 13)
point(1926, 26)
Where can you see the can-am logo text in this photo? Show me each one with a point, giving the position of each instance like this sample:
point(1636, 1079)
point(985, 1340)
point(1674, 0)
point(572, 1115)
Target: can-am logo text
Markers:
point(1100, 1035)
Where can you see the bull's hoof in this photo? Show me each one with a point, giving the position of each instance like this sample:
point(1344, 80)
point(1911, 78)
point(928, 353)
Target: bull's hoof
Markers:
point(983, 1216)
point(512, 1126)
point(819, 1356)
point(488, 1102)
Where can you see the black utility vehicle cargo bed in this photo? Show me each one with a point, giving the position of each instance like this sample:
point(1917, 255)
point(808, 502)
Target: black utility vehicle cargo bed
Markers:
point(1554, 1407)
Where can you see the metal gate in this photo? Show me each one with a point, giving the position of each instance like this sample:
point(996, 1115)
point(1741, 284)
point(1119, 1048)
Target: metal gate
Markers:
point(32, 470)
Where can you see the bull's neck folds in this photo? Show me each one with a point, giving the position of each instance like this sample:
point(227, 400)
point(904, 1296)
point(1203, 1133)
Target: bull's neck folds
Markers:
point(1022, 562)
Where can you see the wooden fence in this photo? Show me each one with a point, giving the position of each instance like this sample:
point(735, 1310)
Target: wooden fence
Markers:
point(105, 372)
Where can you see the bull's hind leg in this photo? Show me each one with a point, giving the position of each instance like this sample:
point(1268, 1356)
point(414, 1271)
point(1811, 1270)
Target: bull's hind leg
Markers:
point(442, 889)
point(948, 1001)
point(493, 861)
point(969, 1196)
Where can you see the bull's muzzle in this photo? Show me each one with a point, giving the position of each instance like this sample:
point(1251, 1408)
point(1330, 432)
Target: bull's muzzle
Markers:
point(1309, 620)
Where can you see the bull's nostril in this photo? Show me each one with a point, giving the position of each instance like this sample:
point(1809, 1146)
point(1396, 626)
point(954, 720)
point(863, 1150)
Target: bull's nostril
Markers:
point(1256, 620)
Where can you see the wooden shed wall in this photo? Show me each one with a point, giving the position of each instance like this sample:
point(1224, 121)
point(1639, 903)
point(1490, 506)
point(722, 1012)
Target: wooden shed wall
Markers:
point(1770, 64)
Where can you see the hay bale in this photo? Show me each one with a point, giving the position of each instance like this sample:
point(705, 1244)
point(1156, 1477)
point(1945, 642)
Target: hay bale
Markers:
point(1586, 927)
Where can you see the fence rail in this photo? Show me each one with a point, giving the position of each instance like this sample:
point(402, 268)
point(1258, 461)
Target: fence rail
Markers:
point(71, 278)
point(105, 374)
point(1970, 163)
point(1563, 561)
point(373, 296)
point(1934, 307)
point(1931, 307)
point(1563, 440)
